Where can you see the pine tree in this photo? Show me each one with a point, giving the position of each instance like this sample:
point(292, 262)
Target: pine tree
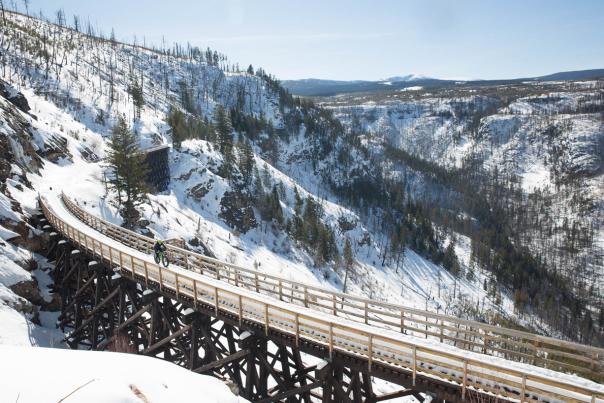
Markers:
point(299, 203)
point(222, 123)
point(129, 171)
point(258, 188)
point(450, 258)
point(176, 120)
point(348, 261)
point(135, 90)
point(246, 161)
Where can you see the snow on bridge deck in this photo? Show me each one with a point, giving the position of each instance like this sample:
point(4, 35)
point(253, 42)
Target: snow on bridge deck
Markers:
point(405, 353)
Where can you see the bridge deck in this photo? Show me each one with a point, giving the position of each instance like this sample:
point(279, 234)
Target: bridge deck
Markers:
point(421, 360)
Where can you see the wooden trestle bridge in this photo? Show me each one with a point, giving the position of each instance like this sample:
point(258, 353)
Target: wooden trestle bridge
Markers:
point(274, 339)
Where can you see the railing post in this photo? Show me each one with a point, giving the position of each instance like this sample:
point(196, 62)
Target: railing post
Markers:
point(266, 318)
point(464, 383)
point(195, 292)
point(297, 317)
point(305, 296)
point(177, 287)
point(414, 363)
point(402, 321)
point(370, 351)
point(146, 273)
point(333, 300)
point(280, 291)
point(240, 310)
point(330, 340)
point(366, 313)
point(256, 281)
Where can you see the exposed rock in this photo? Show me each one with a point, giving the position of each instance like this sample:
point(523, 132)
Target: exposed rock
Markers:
point(199, 191)
point(346, 224)
point(144, 223)
point(55, 149)
point(29, 238)
point(237, 212)
point(28, 290)
point(14, 97)
point(24, 306)
point(54, 305)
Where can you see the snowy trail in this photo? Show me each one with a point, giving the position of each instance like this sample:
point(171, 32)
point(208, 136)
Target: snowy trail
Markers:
point(381, 345)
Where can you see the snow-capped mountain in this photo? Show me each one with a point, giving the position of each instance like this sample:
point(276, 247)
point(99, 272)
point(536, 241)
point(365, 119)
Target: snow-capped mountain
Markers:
point(320, 88)
point(409, 77)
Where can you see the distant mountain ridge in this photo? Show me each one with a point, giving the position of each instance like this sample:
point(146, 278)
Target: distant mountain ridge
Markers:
point(319, 87)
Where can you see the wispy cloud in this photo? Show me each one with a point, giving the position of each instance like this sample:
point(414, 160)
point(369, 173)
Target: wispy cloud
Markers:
point(328, 36)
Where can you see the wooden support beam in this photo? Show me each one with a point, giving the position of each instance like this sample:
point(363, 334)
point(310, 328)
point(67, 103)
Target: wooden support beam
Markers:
point(400, 393)
point(166, 340)
point(296, 391)
point(222, 362)
point(91, 314)
point(126, 323)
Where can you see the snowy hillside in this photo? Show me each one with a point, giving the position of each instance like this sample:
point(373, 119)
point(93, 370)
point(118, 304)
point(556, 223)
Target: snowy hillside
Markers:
point(535, 150)
point(90, 376)
point(284, 191)
point(90, 81)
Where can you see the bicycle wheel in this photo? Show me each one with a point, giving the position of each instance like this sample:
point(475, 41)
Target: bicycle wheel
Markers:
point(156, 257)
point(165, 261)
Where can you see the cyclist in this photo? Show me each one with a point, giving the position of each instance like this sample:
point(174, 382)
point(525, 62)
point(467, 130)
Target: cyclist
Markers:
point(159, 247)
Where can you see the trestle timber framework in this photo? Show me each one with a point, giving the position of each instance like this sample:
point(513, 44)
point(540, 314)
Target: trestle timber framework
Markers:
point(350, 352)
point(103, 309)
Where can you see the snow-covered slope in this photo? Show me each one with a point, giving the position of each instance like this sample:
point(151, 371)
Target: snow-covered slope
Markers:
point(89, 85)
point(51, 375)
point(78, 85)
point(534, 150)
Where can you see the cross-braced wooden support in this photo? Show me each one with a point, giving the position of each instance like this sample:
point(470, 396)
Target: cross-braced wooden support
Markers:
point(102, 309)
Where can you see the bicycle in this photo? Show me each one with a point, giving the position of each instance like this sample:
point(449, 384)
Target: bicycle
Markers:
point(161, 257)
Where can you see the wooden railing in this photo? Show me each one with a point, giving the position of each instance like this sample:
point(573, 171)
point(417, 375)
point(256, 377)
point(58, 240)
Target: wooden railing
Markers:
point(370, 343)
point(469, 335)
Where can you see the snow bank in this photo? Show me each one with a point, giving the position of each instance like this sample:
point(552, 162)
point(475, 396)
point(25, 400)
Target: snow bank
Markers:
point(50, 375)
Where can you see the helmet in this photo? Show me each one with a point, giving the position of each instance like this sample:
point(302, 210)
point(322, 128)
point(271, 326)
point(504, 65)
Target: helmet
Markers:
point(159, 241)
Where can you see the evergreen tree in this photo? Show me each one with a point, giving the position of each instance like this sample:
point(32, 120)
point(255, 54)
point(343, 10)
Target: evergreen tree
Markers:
point(258, 188)
point(224, 131)
point(348, 261)
point(246, 162)
point(450, 261)
point(135, 90)
point(222, 123)
point(299, 203)
point(129, 172)
point(176, 120)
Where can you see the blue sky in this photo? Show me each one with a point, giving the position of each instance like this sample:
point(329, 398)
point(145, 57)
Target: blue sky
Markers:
point(336, 39)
